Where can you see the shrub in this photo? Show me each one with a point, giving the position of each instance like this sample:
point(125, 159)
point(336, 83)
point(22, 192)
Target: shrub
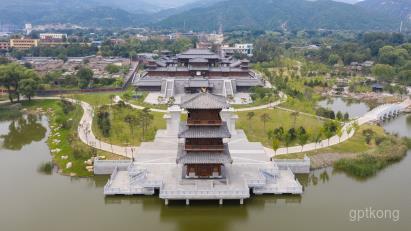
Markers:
point(363, 166)
point(46, 168)
point(80, 154)
point(103, 122)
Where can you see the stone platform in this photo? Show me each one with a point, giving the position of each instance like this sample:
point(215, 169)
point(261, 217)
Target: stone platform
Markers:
point(154, 168)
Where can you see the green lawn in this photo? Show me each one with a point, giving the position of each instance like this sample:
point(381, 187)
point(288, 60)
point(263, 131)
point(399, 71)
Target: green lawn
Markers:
point(121, 133)
point(355, 144)
point(95, 99)
point(69, 143)
point(255, 103)
point(140, 102)
point(255, 131)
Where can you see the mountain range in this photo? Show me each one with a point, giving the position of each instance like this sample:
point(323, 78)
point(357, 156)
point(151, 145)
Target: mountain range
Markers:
point(208, 15)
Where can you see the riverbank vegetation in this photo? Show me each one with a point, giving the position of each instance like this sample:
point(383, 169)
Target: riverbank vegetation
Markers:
point(363, 155)
point(68, 152)
point(122, 125)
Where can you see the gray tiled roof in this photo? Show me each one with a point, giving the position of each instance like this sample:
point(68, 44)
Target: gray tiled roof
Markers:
point(204, 100)
point(248, 82)
point(198, 60)
point(184, 157)
point(204, 131)
point(198, 52)
point(148, 82)
point(198, 83)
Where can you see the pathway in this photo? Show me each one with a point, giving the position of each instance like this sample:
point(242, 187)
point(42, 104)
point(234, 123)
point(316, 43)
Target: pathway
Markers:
point(86, 134)
point(348, 129)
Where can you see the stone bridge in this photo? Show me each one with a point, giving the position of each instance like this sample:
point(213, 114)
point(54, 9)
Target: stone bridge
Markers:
point(384, 112)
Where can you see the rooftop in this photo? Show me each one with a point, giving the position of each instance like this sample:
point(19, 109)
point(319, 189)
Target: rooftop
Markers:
point(204, 131)
point(204, 100)
point(184, 157)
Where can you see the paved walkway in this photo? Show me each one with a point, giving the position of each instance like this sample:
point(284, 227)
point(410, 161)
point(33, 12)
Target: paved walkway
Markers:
point(347, 130)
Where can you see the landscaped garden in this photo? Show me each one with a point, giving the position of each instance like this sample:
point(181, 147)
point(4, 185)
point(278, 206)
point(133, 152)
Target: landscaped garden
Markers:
point(122, 125)
point(369, 150)
point(264, 125)
point(63, 139)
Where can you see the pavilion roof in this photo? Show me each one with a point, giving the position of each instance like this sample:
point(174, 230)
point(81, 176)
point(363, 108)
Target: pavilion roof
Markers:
point(204, 100)
point(184, 157)
point(204, 131)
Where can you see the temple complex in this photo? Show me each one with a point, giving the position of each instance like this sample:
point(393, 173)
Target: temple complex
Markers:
point(196, 69)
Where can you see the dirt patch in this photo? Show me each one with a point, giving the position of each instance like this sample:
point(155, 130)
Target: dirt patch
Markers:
point(328, 159)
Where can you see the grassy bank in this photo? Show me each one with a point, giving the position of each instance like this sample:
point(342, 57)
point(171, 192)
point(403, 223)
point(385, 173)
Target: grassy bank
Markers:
point(367, 152)
point(254, 127)
point(95, 99)
point(63, 139)
point(121, 133)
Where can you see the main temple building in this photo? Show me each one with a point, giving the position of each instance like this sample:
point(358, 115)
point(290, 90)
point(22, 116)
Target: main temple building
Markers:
point(197, 69)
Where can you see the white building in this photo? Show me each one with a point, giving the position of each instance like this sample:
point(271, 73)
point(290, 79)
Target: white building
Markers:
point(46, 36)
point(242, 48)
point(28, 28)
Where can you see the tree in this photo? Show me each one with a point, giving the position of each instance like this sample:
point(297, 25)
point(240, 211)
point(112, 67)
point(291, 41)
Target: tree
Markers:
point(278, 133)
point(275, 145)
point(171, 101)
point(250, 115)
point(295, 114)
point(383, 72)
point(132, 121)
point(84, 75)
point(103, 122)
point(10, 77)
point(288, 139)
point(392, 55)
point(329, 129)
point(112, 68)
point(339, 116)
point(265, 117)
point(302, 137)
point(346, 116)
point(317, 138)
point(28, 87)
point(145, 119)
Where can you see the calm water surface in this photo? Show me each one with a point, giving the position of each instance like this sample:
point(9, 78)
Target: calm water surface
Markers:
point(354, 108)
point(31, 200)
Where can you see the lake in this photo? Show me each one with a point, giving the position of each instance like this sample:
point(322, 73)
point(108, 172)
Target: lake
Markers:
point(33, 200)
point(352, 107)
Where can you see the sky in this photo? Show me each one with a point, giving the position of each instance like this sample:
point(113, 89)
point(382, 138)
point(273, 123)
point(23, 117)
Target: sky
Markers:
point(348, 1)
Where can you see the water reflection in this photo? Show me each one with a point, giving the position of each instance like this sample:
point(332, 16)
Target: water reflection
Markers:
point(353, 107)
point(23, 131)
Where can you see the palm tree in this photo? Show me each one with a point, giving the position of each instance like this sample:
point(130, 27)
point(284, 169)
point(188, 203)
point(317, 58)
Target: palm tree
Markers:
point(317, 138)
point(275, 145)
point(265, 117)
point(145, 118)
point(295, 114)
point(132, 121)
point(302, 137)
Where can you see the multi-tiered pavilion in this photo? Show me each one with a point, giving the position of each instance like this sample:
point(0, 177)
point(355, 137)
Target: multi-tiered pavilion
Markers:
point(204, 153)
